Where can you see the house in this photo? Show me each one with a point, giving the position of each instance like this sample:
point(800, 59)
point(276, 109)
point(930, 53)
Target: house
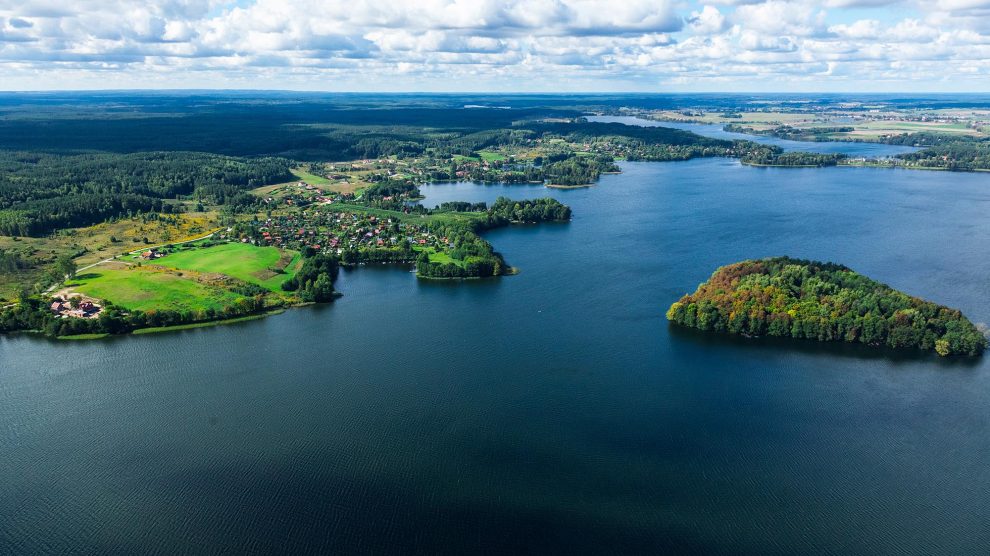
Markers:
point(57, 307)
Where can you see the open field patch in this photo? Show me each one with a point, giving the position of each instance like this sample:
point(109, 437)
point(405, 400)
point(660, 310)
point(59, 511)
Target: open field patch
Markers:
point(147, 288)
point(255, 265)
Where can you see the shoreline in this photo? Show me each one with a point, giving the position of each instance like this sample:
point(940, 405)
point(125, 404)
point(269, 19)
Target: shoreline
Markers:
point(176, 327)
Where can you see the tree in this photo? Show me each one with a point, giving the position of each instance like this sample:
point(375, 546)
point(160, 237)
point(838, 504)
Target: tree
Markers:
point(322, 290)
point(66, 267)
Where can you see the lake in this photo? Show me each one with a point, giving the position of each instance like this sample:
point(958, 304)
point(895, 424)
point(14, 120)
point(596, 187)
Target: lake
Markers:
point(554, 411)
point(853, 149)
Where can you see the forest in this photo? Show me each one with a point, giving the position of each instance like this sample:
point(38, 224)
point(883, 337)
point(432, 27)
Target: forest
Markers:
point(314, 281)
point(544, 209)
point(42, 192)
point(958, 154)
point(767, 155)
point(819, 133)
point(578, 170)
point(822, 301)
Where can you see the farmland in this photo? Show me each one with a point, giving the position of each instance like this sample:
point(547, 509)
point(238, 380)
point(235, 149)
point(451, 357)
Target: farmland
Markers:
point(147, 288)
point(209, 279)
point(267, 267)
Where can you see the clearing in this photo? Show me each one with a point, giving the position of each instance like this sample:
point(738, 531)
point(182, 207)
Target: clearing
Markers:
point(149, 288)
point(267, 267)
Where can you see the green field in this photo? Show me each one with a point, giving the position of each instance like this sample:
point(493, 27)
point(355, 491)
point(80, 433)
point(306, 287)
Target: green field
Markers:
point(239, 260)
point(490, 156)
point(144, 289)
point(311, 179)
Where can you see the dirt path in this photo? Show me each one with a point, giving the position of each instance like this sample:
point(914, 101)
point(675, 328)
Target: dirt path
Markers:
point(145, 248)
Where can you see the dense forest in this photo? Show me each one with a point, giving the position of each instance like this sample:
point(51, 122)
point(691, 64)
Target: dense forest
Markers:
point(825, 302)
point(960, 154)
point(529, 211)
point(819, 133)
point(40, 192)
point(314, 281)
point(578, 170)
point(768, 155)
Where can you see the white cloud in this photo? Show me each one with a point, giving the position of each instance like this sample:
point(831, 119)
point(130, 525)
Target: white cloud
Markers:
point(509, 44)
point(709, 21)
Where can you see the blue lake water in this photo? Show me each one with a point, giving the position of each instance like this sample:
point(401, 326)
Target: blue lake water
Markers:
point(867, 150)
point(552, 412)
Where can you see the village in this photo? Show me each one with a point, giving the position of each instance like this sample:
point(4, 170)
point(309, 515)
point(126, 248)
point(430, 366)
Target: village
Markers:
point(334, 232)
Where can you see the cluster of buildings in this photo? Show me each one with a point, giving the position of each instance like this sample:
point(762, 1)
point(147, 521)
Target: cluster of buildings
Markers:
point(77, 307)
point(333, 232)
point(303, 193)
point(152, 254)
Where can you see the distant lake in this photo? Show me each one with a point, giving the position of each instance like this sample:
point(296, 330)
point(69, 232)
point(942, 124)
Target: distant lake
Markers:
point(552, 412)
point(868, 150)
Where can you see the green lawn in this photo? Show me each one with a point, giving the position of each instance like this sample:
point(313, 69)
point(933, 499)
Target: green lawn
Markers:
point(441, 257)
point(239, 260)
point(490, 156)
point(143, 289)
point(309, 178)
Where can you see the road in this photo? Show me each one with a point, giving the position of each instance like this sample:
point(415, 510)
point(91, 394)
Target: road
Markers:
point(98, 263)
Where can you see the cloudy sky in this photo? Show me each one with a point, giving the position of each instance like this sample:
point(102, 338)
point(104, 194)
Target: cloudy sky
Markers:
point(497, 45)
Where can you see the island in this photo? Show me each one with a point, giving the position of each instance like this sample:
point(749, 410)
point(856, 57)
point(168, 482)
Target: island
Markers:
point(827, 302)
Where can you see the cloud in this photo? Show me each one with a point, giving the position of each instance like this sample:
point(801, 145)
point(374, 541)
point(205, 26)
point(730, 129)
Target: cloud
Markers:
point(490, 44)
point(709, 21)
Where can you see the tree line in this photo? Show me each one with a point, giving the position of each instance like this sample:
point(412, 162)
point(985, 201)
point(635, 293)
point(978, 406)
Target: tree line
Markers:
point(43, 192)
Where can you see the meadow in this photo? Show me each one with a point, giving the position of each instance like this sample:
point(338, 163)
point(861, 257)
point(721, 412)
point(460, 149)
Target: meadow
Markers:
point(267, 267)
point(147, 288)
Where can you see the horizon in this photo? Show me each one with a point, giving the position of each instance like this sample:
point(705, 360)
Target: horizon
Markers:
point(497, 93)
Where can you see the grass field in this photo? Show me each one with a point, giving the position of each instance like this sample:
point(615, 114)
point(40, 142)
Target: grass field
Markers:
point(352, 184)
point(311, 179)
point(144, 289)
point(490, 156)
point(95, 243)
point(239, 260)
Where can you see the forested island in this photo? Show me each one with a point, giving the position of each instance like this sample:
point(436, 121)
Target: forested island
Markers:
point(827, 302)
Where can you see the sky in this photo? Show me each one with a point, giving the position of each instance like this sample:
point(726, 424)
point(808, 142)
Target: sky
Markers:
point(498, 45)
